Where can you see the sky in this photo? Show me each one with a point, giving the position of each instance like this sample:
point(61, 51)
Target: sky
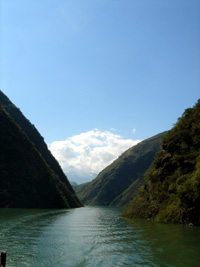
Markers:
point(97, 77)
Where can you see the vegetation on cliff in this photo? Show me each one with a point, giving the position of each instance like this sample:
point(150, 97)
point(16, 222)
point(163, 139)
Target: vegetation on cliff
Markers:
point(172, 187)
point(30, 177)
point(110, 187)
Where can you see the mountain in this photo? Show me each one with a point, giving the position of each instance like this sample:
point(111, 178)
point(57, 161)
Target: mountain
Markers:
point(172, 187)
point(30, 177)
point(128, 194)
point(73, 184)
point(108, 188)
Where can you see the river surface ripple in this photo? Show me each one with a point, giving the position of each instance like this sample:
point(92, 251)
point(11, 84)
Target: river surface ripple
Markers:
point(94, 236)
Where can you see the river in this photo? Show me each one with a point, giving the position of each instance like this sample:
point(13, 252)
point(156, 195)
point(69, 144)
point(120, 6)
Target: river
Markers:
point(94, 236)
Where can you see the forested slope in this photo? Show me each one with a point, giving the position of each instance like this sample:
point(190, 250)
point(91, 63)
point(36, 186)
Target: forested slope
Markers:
point(172, 188)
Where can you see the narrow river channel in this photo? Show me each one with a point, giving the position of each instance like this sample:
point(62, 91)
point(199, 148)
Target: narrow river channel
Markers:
point(94, 236)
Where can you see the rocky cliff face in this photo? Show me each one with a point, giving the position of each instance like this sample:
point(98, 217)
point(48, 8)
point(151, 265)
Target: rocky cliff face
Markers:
point(30, 177)
point(172, 188)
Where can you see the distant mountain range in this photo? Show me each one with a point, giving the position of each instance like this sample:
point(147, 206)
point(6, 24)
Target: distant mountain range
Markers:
point(30, 177)
point(171, 192)
point(118, 183)
point(73, 184)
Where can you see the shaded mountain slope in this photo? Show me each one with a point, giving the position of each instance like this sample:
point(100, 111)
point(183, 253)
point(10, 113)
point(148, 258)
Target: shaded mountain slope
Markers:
point(81, 187)
point(172, 188)
point(33, 135)
point(128, 194)
point(27, 178)
point(119, 175)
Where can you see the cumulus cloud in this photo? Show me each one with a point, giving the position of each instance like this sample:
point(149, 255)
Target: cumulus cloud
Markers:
point(84, 155)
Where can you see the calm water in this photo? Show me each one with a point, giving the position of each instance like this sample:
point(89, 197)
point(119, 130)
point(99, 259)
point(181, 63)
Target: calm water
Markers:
point(94, 236)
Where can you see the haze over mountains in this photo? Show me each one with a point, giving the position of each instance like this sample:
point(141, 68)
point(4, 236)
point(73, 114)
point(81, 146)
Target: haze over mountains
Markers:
point(84, 155)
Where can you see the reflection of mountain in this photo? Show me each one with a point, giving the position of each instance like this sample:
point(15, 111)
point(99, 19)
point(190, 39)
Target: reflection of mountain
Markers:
point(119, 182)
point(172, 188)
point(29, 175)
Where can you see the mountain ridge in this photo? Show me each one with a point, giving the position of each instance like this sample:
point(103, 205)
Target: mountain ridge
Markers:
point(111, 182)
point(22, 163)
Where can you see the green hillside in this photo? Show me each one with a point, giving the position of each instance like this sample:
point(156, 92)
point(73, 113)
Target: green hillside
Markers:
point(172, 188)
point(30, 177)
point(130, 167)
point(128, 194)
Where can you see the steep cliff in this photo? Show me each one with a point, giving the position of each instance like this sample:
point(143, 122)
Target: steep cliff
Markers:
point(29, 175)
point(172, 188)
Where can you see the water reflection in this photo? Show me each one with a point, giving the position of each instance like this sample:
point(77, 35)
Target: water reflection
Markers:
point(94, 236)
point(21, 230)
point(170, 245)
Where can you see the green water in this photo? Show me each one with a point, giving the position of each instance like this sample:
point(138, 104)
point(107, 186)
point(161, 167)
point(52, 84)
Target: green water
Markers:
point(94, 236)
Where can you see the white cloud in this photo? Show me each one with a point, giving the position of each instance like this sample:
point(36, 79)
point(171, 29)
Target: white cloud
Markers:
point(84, 155)
point(134, 131)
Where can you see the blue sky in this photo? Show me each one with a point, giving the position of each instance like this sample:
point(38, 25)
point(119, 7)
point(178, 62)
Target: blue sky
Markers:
point(125, 69)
